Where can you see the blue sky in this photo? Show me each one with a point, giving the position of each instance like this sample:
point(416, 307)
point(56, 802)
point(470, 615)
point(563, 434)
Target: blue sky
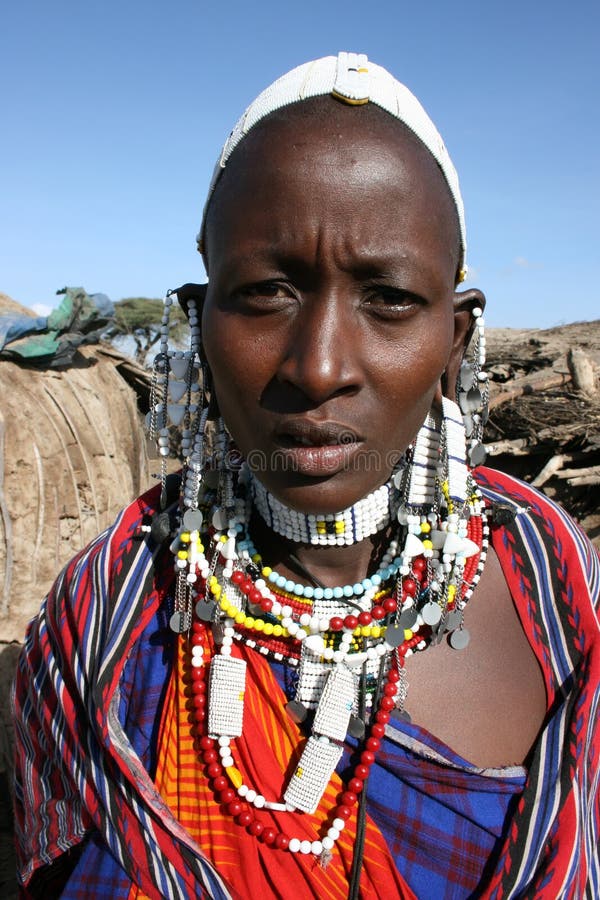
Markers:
point(112, 114)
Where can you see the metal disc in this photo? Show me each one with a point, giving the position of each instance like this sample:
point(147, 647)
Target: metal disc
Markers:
point(356, 728)
point(474, 400)
point(406, 619)
point(161, 527)
point(401, 714)
point(477, 455)
point(394, 635)
point(296, 711)
point(179, 622)
point(205, 610)
point(459, 639)
point(431, 614)
point(454, 620)
point(192, 520)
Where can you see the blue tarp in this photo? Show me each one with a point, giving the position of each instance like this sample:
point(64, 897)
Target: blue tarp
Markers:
point(52, 340)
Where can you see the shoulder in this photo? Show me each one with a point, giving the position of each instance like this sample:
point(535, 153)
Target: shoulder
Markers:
point(546, 557)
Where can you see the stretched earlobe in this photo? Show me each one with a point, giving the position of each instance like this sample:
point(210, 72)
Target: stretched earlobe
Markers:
point(464, 323)
point(191, 291)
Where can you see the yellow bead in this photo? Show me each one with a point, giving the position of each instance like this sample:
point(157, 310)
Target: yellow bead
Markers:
point(256, 558)
point(428, 545)
point(240, 617)
point(425, 527)
point(365, 631)
point(268, 629)
point(249, 623)
point(185, 537)
point(200, 546)
point(408, 634)
point(340, 527)
point(235, 776)
point(375, 631)
point(451, 591)
point(259, 624)
point(266, 571)
point(277, 630)
point(217, 590)
point(182, 554)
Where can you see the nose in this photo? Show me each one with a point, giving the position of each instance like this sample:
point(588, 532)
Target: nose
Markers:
point(321, 360)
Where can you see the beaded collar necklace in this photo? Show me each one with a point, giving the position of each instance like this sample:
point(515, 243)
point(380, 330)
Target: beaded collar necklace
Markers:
point(349, 642)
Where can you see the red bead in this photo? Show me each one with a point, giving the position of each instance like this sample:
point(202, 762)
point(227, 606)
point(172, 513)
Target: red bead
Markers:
point(355, 785)
point(378, 613)
point(377, 730)
point(266, 604)
point(390, 605)
point(244, 818)
point(348, 798)
point(210, 756)
point(214, 770)
point(268, 836)
point(419, 564)
point(234, 808)
point(367, 758)
point(282, 842)
point(350, 623)
point(390, 689)
point(373, 744)
point(206, 742)
point(221, 783)
point(256, 828)
point(225, 796)
point(394, 676)
point(237, 577)
point(336, 623)
point(386, 703)
point(362, 772)
point(382, 717)
point(197, 675)
point(199, 701)
point(365, 618)
point(255, 595)
point(409, 586)
point(199, 715)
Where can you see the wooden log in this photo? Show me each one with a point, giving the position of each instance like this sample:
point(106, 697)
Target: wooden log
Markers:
point(551, 468)
point(529, 384)
point(582, 372)
point(516, 447)
point(575, 474)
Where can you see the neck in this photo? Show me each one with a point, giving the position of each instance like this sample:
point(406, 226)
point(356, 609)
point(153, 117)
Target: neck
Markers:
point(328, 566)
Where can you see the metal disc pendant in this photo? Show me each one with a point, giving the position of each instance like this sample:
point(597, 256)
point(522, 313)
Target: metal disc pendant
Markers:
point(394, 636)
point(477, 455)
point(296, 711)
point(459, 639)
point(160, 528)
point(192, 520)
point(407, 619)
point(454, 620)
point(431, 614)
point(205, 610)
point(401, 714)
point(179, 622)
point(356, 728)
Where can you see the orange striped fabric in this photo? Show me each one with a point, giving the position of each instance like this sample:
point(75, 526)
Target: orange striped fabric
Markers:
point(266, 754)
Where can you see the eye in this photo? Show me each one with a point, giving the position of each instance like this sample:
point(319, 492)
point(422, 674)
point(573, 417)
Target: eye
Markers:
point(391, 302)
point(265, 296)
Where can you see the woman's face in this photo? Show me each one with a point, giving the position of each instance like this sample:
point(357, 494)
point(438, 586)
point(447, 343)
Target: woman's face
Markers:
point(330, 315)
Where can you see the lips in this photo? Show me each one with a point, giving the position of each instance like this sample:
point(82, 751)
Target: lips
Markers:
point(317, 449)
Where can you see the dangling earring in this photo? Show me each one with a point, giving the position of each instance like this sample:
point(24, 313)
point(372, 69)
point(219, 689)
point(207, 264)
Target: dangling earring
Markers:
point(472, 392)
point(175, 417)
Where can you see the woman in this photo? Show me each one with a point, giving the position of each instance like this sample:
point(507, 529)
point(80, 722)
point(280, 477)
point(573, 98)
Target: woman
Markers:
point(214, 699)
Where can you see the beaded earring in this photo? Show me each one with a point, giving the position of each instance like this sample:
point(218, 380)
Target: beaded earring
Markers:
point(473, 392)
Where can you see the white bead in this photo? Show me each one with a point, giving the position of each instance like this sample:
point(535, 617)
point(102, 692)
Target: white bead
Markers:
point(259, 801)
point(328, 843)
point(339, 824)
point(294, 845)
point(305, 847)
point(251, 796)
point(333, 833)
point(316, 847)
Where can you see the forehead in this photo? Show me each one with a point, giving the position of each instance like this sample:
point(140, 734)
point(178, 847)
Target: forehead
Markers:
point(330, 150)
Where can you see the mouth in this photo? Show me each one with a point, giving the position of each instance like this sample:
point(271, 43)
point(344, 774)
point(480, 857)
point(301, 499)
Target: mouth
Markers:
point(317, 448)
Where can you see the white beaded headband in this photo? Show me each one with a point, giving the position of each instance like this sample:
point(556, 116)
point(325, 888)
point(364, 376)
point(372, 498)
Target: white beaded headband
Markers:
point(353, 79)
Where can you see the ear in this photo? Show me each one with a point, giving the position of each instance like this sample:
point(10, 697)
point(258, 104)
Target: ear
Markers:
point(191, 291)
point(464, 304)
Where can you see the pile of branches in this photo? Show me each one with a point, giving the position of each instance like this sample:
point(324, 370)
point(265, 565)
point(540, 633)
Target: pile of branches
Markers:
point(544, 423)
